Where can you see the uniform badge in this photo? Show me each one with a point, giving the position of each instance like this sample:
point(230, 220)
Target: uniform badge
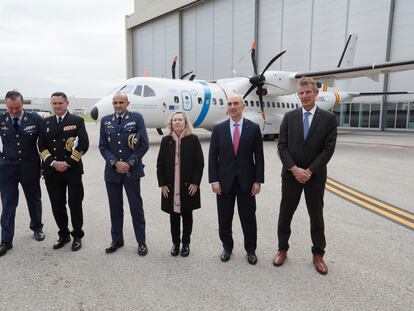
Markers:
point(127, 117)
point(69, 143)
point(47, 130)
point(25, 119)
point(132, 141)
point(7, 119)
point(47, 122)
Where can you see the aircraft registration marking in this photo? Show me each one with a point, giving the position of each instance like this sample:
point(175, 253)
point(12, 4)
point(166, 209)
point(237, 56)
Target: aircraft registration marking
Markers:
point(392, 213)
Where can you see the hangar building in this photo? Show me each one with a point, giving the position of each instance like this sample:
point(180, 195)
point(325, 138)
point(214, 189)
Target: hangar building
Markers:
point(212, 37)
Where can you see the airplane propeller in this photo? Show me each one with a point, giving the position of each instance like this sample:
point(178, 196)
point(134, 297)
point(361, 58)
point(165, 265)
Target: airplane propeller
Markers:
point(173, 67)
point(259, 80)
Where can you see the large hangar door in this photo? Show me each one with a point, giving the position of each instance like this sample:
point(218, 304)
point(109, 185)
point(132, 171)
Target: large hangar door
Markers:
point(154, 46)
point(216, 37)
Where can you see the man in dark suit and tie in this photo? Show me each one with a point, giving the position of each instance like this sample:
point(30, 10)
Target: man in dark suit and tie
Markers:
point(19, 163)
point(236, 170)
point(307, 141)
point(63, 141)
point(123, 142)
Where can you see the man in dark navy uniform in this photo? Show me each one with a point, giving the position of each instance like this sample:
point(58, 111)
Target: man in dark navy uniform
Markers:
point(63, 141)
point(19, 163)
point(123, 142)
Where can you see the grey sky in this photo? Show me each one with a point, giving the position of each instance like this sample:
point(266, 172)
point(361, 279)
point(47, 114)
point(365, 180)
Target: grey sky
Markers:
point(75, 46)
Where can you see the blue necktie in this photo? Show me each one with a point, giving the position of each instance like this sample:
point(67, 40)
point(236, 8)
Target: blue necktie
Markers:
point(306, 124)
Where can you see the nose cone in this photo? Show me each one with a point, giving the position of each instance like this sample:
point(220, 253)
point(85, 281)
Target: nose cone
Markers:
point(95, 113)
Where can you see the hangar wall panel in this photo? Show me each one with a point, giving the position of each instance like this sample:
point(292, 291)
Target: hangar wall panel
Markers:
point(154, 45)
point(329, 33)
point(270, 32)
point(243, 35)
point(297, 21)
point(223, 39)
point(370, 20)
point(188, 40)
point(204, 40)
point(402, 46)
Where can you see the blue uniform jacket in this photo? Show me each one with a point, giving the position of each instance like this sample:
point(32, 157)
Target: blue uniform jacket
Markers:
point(20, 156)
point(127, 142)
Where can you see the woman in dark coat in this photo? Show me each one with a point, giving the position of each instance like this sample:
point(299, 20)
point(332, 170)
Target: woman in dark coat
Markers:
point(180, 166)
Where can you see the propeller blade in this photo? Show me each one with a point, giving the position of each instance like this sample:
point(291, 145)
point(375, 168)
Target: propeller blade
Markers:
point(253, 56)
point(260, 91)
point(192, 77)
point(186, 74)
point(272, 61)
point(249, 91)
point(173, 67)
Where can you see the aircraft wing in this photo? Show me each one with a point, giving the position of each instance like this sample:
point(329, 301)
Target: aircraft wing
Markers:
point(371, 71)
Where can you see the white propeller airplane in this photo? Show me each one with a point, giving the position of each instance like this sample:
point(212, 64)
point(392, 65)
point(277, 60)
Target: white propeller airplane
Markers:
point(206, 102)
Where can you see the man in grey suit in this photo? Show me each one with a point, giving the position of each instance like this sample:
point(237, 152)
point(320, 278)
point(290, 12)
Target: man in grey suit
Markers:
point(307, 141)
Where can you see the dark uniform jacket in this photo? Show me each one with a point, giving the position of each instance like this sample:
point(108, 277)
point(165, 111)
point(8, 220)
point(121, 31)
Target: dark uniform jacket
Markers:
point(67, 141)
point(191, 163)
point(314, 152)
point(247, 165)
point(19, 155)
point(127, 142)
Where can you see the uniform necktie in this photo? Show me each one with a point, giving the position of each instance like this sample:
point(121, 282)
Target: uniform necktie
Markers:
point(16, 124)
point(59, 120)
point(306, 124)
point(119, 120)
point(236, 137)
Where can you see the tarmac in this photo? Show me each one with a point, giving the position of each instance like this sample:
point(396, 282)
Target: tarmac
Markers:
point(370, 258)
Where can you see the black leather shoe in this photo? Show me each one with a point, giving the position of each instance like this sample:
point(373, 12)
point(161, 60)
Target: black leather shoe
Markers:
point(175, 249)
point(4, 247)
point(39, 235)
point(61, 242)
point(185, 250)
point(114, 246)
point(142, 249)
point(251, 258)
point(76, 245)
point(225, 255)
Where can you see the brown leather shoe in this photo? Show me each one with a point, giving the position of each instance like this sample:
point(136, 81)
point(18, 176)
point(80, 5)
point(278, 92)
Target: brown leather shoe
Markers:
point(280, 258)
point(319, 264)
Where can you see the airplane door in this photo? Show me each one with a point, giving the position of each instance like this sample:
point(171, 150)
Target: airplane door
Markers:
point(186, 100)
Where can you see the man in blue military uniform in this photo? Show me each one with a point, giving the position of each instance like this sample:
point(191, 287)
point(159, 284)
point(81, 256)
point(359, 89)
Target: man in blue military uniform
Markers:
point(19, 163)
point(63, 141)
point(123, 142)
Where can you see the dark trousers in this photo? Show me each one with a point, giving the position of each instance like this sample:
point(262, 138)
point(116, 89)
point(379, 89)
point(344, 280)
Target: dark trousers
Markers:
point(246, 205)
point(56, 189)
point(10, 200)
point(291, 193)
point(115, 197)
point(187, 227)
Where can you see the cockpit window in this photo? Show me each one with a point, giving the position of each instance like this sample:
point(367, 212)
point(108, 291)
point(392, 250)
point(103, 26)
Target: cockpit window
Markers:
point(126, 89)
point(148, 92)
point(138, 90)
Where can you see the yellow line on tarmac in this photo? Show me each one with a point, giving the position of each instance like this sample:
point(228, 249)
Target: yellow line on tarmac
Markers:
point(372, 200)
point(371, 207)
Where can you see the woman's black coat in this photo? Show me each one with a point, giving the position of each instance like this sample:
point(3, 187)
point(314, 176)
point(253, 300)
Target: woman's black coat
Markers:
point(192, 165)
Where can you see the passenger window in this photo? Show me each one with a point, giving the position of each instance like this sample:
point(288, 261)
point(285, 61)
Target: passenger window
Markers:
point(246, 103)
point(278, 105)
point(273, 104)
point(251, 103)
point(214, 101)
point(287, 105)
point(222, 103)
point(200, 100)
point(176, 99)
point(257, 103)
point(138, 90)
point(148, 92)
point(283, 105)
point(126, 89)
point(297, 106)
point(268, 104)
